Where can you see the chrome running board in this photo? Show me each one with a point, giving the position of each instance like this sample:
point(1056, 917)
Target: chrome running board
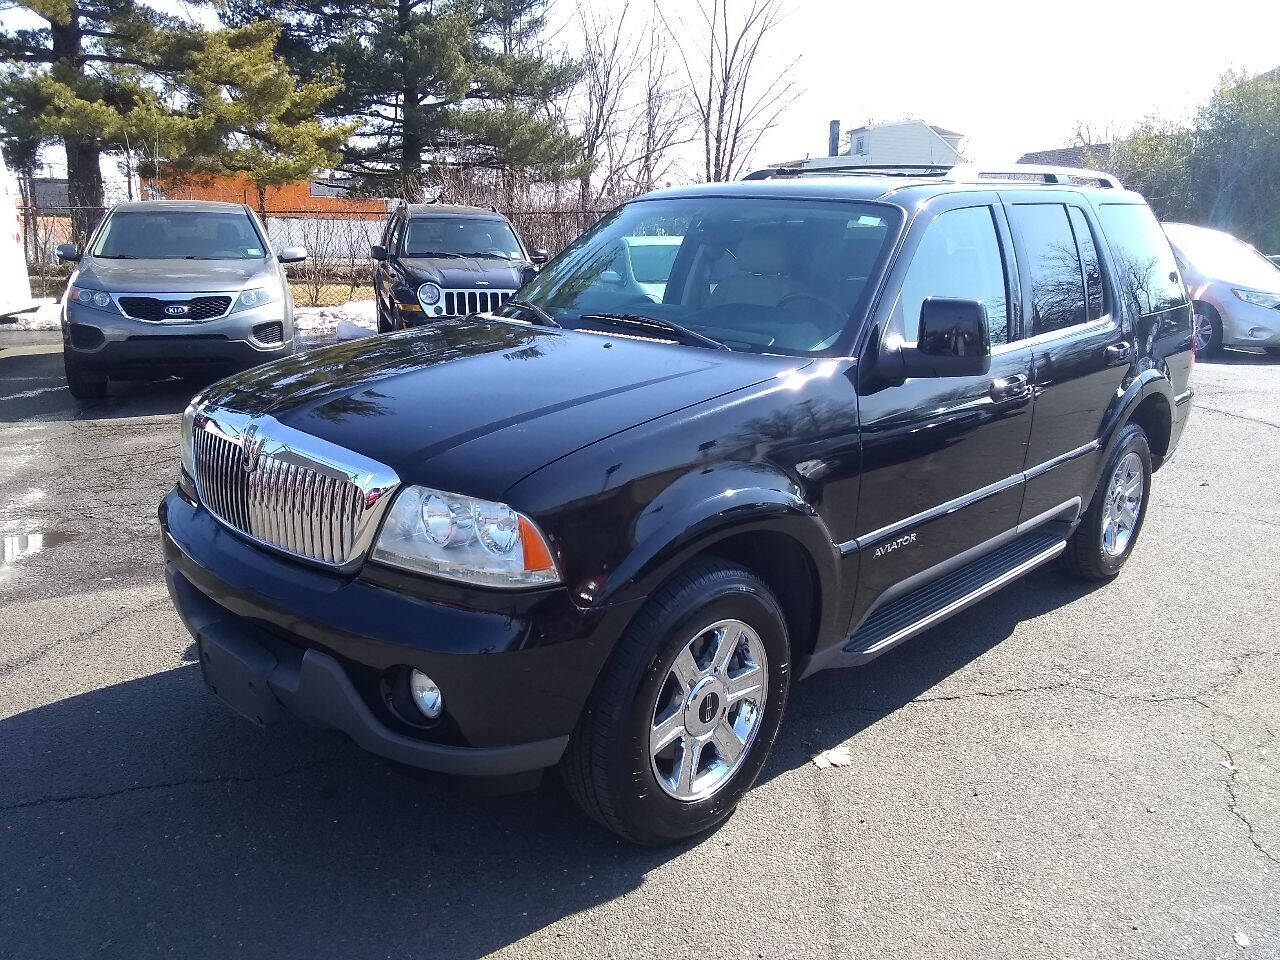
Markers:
point(917, 611)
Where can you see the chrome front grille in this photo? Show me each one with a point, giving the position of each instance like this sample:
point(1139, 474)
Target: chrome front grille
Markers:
point(461, 303)
point(290, 491)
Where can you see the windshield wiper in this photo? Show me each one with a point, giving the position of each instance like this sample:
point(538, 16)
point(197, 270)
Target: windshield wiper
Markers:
point(115, 256)
point(544, 318)
point(434, 253)
point(653, 324)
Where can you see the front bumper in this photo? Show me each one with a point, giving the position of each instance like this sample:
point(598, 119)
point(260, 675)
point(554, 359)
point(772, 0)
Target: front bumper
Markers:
point(1249, 325)
point(116, 344)
point(276, 635)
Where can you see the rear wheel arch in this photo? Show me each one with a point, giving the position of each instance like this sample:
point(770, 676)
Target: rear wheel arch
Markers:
point(1154, 415)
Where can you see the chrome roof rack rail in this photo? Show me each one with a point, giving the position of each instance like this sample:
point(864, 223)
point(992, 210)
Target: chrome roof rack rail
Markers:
point(960, 173)
point(1033, 172)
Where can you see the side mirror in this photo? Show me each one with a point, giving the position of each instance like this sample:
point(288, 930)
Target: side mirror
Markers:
point(292, 254)
point(954, 341)
point(68, 252)
point(611, 277)
point(528, 275)
point(539, 256)
point(378, 252)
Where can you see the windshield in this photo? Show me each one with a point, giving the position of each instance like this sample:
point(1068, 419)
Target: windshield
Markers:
point(758, 274)
point(461, 237)
point(178, 235)
point(1221, 256)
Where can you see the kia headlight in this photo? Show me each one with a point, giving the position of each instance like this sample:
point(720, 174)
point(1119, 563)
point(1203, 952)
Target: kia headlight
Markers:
point(429, 294)
point(97, 299)
point(1268, 300)
point(257, 297)
point(465, 539)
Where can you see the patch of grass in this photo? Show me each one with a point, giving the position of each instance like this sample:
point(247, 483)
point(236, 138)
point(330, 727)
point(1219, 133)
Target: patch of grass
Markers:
point(328, 294)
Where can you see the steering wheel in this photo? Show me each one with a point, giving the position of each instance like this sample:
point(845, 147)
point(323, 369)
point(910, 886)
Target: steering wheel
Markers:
point(812, 298)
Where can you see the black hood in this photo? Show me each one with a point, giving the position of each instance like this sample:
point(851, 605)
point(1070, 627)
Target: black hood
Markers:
point(466, 273)
point(474, 406)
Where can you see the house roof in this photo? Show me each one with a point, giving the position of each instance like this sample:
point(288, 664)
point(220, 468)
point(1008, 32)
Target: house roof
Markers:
point(940, 131)
point(1080, 155)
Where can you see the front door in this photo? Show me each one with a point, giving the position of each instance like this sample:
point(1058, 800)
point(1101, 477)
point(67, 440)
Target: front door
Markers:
point(943, 457)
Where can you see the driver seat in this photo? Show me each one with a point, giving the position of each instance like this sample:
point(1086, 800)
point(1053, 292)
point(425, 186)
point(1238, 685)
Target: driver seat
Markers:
point(762, 277)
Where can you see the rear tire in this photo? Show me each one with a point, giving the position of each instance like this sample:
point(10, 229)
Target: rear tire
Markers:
point(1106, 535)
point(83, 384)
point(739, 675)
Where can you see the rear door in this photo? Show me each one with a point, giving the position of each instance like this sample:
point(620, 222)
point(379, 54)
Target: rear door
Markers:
point(1082, 345)
point(943, 457)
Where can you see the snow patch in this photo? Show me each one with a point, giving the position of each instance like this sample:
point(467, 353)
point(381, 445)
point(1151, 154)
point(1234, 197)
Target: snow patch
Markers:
point(357, 318)
point(46, 316)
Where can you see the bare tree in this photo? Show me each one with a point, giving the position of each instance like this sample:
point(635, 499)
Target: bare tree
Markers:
point(734, 106)
point(607, 73)
point(662, 121)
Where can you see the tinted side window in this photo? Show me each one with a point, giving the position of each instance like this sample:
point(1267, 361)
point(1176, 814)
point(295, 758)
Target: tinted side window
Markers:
point(1049, 248)
point(1094, 291)
point(1147, 272)
point(959, 257)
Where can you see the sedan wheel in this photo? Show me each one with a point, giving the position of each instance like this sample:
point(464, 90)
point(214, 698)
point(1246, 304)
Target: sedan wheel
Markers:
point(1208, 334)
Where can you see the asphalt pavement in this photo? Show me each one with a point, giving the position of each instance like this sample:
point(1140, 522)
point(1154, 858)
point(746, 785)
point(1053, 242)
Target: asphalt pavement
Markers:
point(1062, 771)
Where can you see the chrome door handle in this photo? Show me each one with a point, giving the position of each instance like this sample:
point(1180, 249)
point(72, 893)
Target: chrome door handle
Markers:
point(1118, 353)
point(1006, 388)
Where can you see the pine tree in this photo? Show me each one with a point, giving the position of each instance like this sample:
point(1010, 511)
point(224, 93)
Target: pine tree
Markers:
point(444, 81)
point(246, 114)
point(78, 76)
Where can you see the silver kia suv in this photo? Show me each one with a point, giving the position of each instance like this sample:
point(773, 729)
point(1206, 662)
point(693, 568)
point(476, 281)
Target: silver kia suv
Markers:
point(169, 287)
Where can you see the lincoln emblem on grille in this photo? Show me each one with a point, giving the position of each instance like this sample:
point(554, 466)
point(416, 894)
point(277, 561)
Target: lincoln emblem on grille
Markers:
point(176, 310)
point(250, 449)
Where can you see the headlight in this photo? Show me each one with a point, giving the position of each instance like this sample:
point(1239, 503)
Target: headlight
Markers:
point(188, 436)
point(1269, 300)
point(429, 294)
point(466, 539)
point(90, 298)
point(257, 297)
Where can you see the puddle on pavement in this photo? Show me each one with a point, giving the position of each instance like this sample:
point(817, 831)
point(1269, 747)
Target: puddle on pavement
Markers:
point(15, 547)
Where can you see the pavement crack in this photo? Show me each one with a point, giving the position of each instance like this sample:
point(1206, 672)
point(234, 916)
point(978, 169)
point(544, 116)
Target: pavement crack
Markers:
point(1237, 416)
point(185, 782)
point(25, 661)
point(1233, 800)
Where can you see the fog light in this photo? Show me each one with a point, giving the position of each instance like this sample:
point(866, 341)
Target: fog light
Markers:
point(426, 695)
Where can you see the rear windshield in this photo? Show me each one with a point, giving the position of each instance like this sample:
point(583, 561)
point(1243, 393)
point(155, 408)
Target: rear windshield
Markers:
point(461, 237)
point(179, 235)
point(758, 274)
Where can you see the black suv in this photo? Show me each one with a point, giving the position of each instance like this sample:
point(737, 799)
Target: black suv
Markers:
point(609, 527)
point(439, 262)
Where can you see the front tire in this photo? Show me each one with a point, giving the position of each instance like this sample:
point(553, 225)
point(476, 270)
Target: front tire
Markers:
point(1208, 331)
point(687, 709)
point(1106, 536)
point(83, 384)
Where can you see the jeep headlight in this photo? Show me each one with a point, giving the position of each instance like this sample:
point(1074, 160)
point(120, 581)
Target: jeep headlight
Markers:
point(466, 539)
point(257, 297)
point(429, 294)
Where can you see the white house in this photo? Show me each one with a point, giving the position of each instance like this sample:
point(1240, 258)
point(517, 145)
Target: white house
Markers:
point(907, 141)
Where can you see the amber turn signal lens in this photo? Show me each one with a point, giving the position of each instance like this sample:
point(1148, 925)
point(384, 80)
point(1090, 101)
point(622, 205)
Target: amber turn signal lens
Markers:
point(536, 554)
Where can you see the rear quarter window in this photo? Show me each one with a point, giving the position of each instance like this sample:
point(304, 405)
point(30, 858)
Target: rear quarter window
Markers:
point(1146, 272)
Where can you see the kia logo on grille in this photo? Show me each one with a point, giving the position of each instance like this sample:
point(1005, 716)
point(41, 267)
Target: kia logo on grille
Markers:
point(176, 310)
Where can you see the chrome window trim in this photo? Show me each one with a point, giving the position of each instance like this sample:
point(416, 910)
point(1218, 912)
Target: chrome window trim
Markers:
point(377, 481)
point(187, 295)
point(1049, 336)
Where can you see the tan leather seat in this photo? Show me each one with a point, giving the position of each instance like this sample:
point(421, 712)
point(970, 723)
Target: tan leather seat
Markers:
point(762, 277)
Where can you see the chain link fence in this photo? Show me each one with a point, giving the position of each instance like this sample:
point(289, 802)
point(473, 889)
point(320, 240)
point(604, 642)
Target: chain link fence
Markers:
point(338, 242)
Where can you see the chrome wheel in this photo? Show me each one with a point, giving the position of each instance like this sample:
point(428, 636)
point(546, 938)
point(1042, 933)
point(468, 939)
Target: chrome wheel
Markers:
point(1123, 506)
point(1204, 332)
point(709, 710)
